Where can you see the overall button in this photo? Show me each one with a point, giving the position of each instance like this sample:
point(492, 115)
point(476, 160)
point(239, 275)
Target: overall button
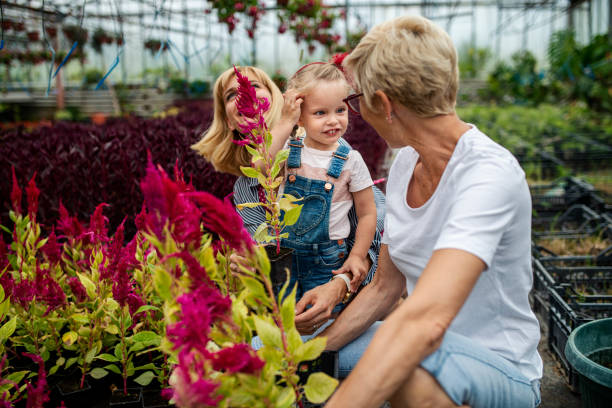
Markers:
point(328, 186)
point(341, 255)
point(292, 178)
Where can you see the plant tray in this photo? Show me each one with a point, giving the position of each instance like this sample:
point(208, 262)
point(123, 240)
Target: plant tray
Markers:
point(551, 199)
point(574, 222)
point(568, 310)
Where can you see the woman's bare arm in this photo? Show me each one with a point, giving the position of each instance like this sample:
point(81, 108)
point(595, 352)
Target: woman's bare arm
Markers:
point(411, 332)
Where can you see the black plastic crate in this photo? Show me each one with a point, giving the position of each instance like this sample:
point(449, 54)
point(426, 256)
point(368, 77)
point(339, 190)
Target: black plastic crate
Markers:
point(574, 222)
point(568, 309)
point(552, 199)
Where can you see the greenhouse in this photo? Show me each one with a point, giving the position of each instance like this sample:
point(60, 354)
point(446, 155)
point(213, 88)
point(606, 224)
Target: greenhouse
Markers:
point(179, 193)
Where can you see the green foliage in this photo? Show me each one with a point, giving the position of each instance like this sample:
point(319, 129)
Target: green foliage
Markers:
point(576, 73)
point(559, 131)
point(473, 61)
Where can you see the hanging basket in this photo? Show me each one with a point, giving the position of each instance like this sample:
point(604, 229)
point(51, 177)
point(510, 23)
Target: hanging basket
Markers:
point(33, 35)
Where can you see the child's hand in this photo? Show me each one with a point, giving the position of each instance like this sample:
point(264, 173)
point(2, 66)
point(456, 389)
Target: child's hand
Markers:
point(292, 106)
point(358, 269)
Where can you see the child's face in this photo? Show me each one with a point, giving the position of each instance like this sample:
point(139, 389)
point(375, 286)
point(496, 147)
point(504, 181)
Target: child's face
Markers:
point(324, 115)
point(234, 119)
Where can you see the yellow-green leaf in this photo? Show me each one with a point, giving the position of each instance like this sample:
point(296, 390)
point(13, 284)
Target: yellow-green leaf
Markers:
point(286, 398)
point(99, 372)
point(8, 329)
point(90, 287)
point(319, 387)
point(292, 215)
point(69, 338)
point(162, 282)
point(248, 205)
point(250, 171)
point(269, 333)
point(288, 309)
point(311, 349)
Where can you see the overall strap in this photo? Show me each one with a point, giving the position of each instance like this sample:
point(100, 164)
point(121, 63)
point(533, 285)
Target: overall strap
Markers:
point(339, 157)
point(295, 153)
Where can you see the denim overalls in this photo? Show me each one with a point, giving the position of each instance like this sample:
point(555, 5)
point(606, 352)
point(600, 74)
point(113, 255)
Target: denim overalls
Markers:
point(315, 255)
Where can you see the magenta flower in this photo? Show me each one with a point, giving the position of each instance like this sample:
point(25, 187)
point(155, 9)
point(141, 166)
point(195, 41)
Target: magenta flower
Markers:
point(48, 290)
point(166, 203)
point(197, 272)
point(32, 193)
point(113, 252)
point(77, 288)
point(190, 388)
point(221, 218)
point(23, 293)
point(190, 332)
point(252, 108)
point(69, 226)
point(38, 394)
point(240, 358)
point(97, 225)
point(134, 302)
point(15, 193)
point(3, 254)
point(52, 249)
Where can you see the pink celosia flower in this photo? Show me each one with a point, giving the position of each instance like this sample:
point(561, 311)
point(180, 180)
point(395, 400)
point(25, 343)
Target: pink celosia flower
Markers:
point(113, 253)
point(134, 302)
point(48, 290)
point(15, 193)
point(240, 358)
point(252, 108)
point(52, 249)
point(192, 328)
point(32, 193)
point(166, 203)
point(97, 225)
point(38, 394)
point(3, 254)
point(23, 293)
point(69, 226)
point(220, 217)
point(77, 288)
point(190, 389)
point(197, 272)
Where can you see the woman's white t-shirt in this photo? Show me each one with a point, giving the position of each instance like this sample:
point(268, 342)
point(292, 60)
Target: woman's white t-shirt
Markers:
point(354, 177)
point(482, 205)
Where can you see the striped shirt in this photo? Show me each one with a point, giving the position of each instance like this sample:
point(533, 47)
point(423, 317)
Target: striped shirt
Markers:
point(246, 191)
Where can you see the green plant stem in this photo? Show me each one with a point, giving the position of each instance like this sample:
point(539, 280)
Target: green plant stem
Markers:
point(123, 353)
point(279, 323)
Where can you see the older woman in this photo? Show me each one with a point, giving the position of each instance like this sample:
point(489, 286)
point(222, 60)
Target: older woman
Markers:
point(457, 235)
point(217, 147)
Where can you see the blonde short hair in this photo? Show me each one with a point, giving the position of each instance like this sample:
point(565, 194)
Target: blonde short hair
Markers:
point(216, 145)
point(310, 74)
point(412, 61)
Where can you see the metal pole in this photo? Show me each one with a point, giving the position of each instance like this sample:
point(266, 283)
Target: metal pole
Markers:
point(186, 39)
point(346, 21)
point(498, 33)
point(525, 29)
point(143, 53)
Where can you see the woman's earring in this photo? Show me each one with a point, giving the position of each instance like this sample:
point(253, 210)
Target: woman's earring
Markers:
point(389, 118)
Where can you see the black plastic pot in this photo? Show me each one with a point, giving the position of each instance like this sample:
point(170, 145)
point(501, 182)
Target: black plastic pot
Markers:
point(133, 399)
point(68, 390)
point(152, 398)
point(280, 263)
point(327, 363)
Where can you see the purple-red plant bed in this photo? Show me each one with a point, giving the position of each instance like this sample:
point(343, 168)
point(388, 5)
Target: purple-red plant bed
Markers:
point(83, 164)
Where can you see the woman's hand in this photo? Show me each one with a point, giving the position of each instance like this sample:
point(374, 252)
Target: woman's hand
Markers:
point(292, 108)
point(322, 301)
point(357, 267)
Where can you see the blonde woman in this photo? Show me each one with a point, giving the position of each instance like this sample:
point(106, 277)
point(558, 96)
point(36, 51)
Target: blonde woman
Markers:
point(457, 237)
point(218, 148)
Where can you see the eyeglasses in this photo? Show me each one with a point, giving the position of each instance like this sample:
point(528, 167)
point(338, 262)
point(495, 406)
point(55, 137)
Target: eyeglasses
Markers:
point(352, 101)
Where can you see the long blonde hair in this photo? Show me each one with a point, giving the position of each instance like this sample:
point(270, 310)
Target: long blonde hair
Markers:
point(216, 144)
